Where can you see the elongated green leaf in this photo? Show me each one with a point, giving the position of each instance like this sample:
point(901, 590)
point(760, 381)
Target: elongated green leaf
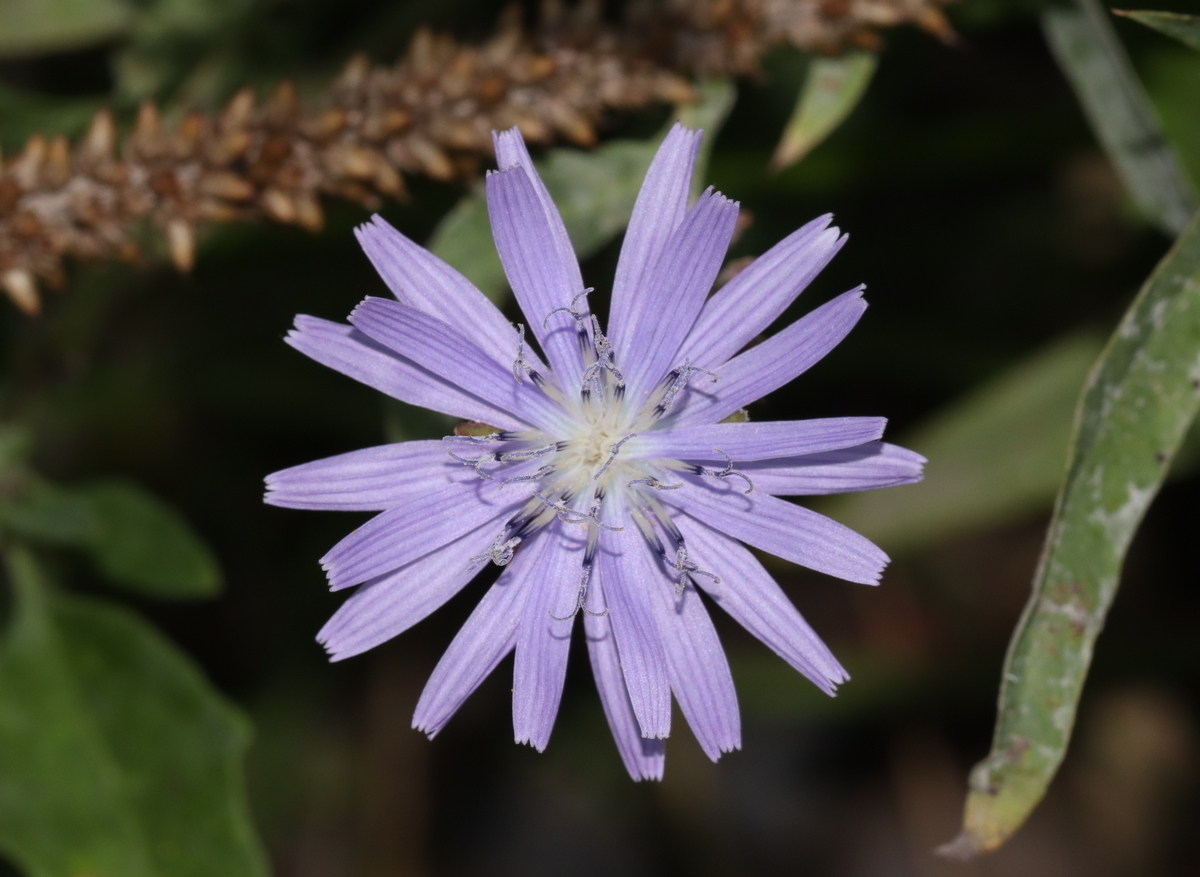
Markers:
point(134, 539)
point(1094, 61)
point(116, 757)
point(1185, 28)
point(832, 89)
point(595, 192)
point(1135, 411)
point(995, 456)
point(30, 27)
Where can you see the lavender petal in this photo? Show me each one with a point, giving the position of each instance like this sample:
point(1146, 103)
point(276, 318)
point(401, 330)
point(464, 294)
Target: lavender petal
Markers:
point(660, 208)
point(371, 479)
point(778, 360)
point(697, 666)
point(754, 441)
point(544, 639)
point(345, 349)
point(667, 306)
point(482, 643)
point(867, 467)
point(510, 151)
point(627, 571)
point(754, 299)
point(780, 528)
point(540, 280)
point(752, 598)
point(389, 605)
point(421, 280)
point(447, 353)
point(402, 534)
point(643, 758)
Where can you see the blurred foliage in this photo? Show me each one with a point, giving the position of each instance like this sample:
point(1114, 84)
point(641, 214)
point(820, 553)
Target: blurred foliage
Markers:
point(832, 88)
point(135, 540)
point(1086, 46)
point(1185, 28)
point(116, 757)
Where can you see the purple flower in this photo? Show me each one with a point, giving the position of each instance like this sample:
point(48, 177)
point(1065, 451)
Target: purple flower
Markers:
point(614, 478)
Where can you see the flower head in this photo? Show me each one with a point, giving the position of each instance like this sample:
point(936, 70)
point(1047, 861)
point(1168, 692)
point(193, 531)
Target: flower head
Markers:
point(609, 482)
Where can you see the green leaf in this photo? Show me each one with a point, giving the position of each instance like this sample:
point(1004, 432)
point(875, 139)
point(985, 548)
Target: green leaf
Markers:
point(31, 27)
point(146, 545)
point(595, 192)
point(1185, 28)
point(1136, 408)
point(1087, 49)
point(832, 89)
point(995, 456)
point(116, 756)
point(134, 539)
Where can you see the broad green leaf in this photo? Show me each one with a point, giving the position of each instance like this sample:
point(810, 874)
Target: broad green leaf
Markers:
point(832, 89)
point(1135, 410)
point(134, 539)
point(1087, 49)
point(595, 192)
point(117, 759)
point(31, 27)
point(146, 545)
point(994, 456)
point(1185, 28)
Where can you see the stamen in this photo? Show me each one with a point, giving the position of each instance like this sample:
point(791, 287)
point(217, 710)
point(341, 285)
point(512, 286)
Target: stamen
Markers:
point(501, 552)
point(520, 367)
point(572, 310)
point(655, 483)
point(686, 567)
point(474, 439)
point(604, 354)
point(476, 463)
point(612, 455)
point(589, 559)
point(727, 472)
point(569, 515)
point(536, 476)
point(509, 456)
point(679, 378)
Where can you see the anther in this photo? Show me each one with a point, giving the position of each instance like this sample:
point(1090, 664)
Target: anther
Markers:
point(477, 463)
point(520, 367)
point(604, 361)
point(501, 552)
point(572, 309)
point(532, 454)
point(686, 567)
point(655, 483)
point(679, 378)
point(536, 476)
point(727, 472)
point(612, 455)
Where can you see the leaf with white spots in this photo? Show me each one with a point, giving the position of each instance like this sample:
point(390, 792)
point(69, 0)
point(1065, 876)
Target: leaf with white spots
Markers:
point(1137, 405)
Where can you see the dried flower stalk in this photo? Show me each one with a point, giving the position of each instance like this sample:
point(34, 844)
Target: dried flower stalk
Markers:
point(431, 113)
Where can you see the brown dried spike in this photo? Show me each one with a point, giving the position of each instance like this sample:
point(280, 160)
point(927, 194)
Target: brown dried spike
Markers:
point(100, 141)
point(20, 287)
point(227, 186)
point(430, 113)
point(181, 240)
point(57, 168)
point(27, 167)
point(237, 112)
point(278, 205)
